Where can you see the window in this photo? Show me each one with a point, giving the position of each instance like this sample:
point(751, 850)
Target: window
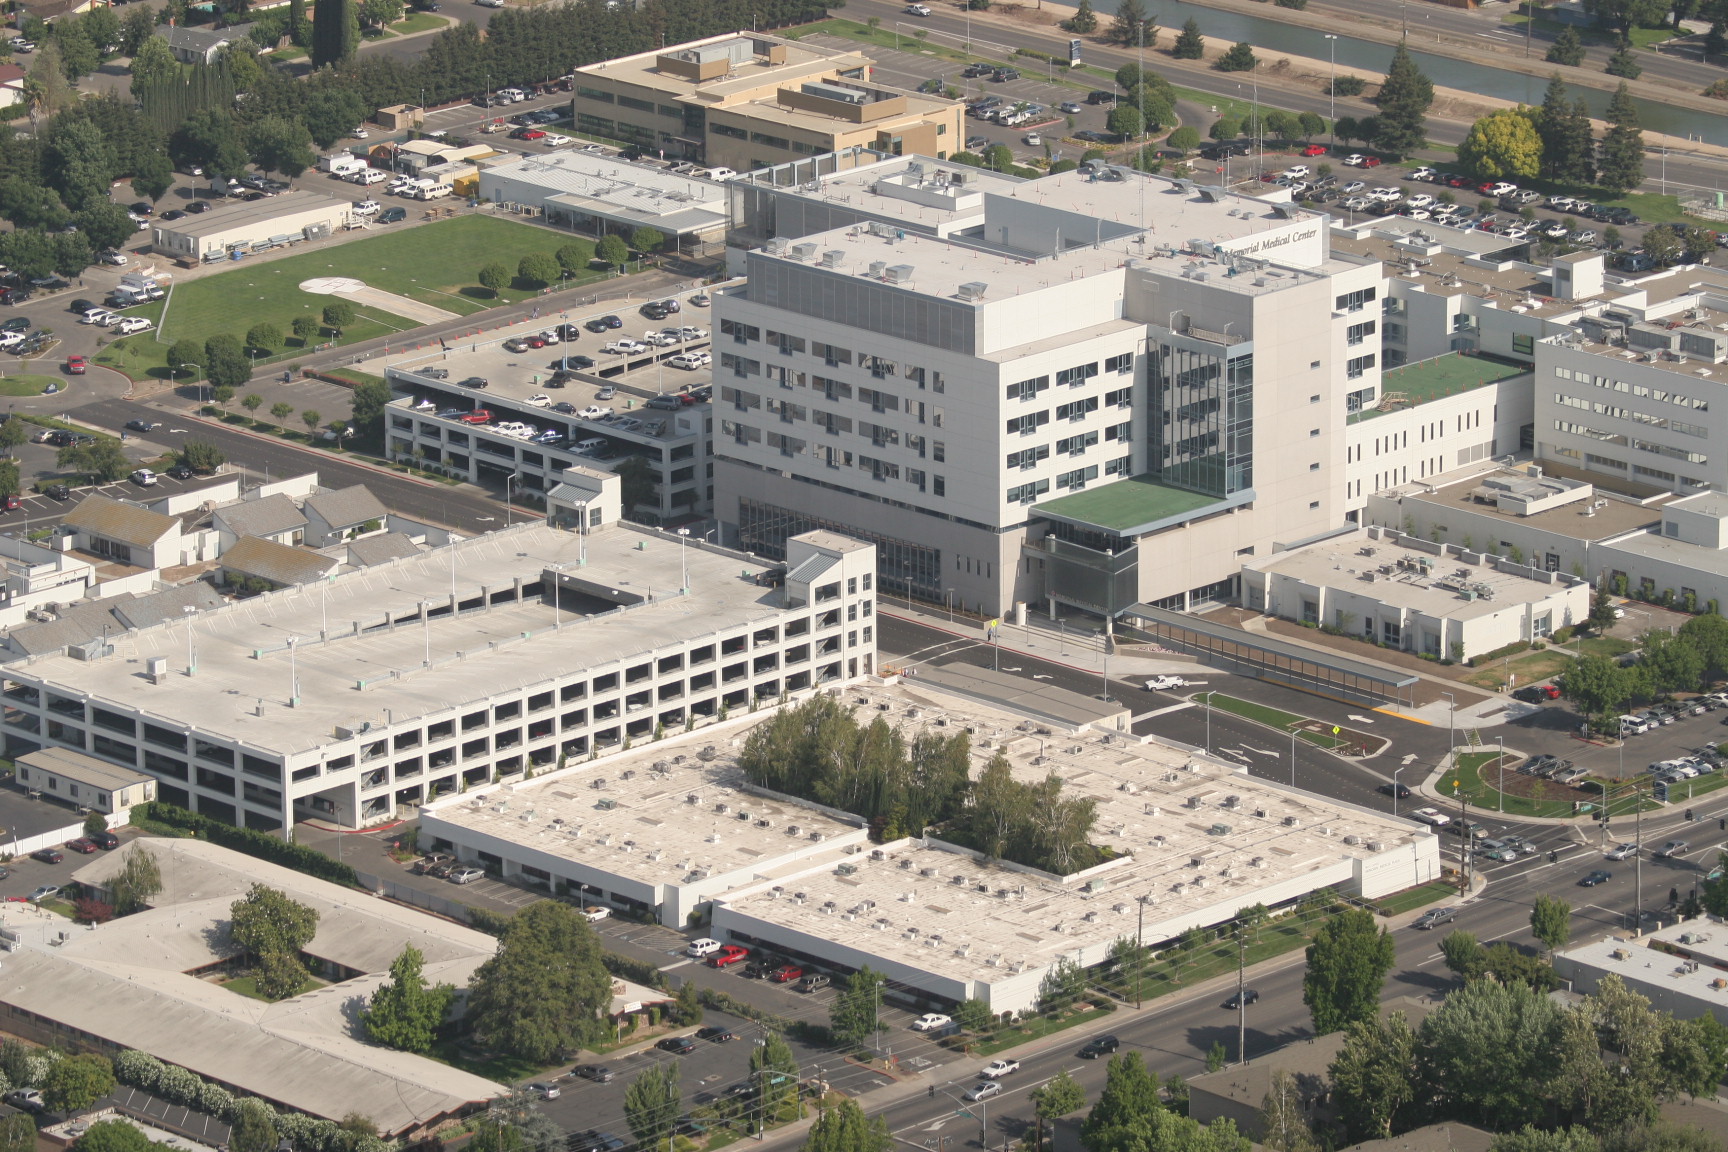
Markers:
point(1357, 366)
point(939, 451)
point(1353, 301)
point(879, 401)
point(1077, 375)
point(1357, 333)
point(1077, 409)
point(1118, 466)
point(786, 343)
point(594, 94)
point(1075, 445)
point(1119, 432)
point(832, 389)
point(1028, 457)
point(1026, 493)
point(740, 331)
point(1119, 398)
point(1120, 364)
point(830, 353)
point(1029, 423)
point(1077, 479)
point(632, 102)
point(880, 368)
point(1524, 344)
point(1028, 389)
point(740, 365)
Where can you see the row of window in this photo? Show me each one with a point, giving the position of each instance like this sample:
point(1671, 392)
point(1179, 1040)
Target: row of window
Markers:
point(1641, 390)
point(1680, 426)
point(834, 356)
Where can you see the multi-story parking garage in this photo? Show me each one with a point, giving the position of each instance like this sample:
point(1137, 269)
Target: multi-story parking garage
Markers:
point(484, 660)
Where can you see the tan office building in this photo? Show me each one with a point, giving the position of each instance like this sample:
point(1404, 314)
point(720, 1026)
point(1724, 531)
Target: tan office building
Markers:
point(748, 101)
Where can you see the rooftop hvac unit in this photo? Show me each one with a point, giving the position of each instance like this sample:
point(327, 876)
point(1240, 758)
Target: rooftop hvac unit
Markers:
point(973, 290)
point(1292, 822)
point(1375, 846)
point(777, 244)
point(905, 862)
point(606, 803)
point(1352, 839)
point(833, 258)
point(693, 798)
point(877, 268)
point(722, 808)
point(803, 251)
point(818, 836)
point(845, 869)
point(899, 274)
point(794, 830)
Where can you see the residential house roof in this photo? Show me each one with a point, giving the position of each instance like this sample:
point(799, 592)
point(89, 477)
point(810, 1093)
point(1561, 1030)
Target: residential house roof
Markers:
point(205, 39)
point(277, 563)
point(345, 507)
point(119, 520)
point(86, 620)
point(269, 516)
point(381, 549)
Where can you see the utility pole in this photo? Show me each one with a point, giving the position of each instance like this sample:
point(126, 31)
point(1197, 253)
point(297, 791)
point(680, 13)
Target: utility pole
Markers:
point(1465, 842)
point(1139, 946)
point(1638, 856)
point(1241, 992)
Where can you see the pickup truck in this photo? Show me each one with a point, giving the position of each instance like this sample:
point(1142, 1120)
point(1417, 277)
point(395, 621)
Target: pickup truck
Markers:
point(1160, 683)
point(1433, 817)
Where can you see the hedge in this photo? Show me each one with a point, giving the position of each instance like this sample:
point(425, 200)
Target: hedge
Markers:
point(252, 843)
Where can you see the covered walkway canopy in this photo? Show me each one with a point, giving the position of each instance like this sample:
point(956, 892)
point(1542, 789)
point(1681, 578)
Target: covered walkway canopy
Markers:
point(1278, 661)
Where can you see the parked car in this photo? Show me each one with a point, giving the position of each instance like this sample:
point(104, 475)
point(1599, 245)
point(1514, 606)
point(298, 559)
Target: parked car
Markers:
point(48, 855)
point(813, 982)
point(785, 974)
point(702, 947)
point(466, 875)
point(105, 840)
point(1537, 693)
point(595, 912)
point(599, 1073)
point(677, 1045)
point(729, 955)
point(82, 845)
point(716, 1035)
point(25, 1099)
point(931, 1021)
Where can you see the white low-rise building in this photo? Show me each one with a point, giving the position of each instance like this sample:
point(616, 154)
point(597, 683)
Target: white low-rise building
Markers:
point(1682, 969)
point(1437, 600)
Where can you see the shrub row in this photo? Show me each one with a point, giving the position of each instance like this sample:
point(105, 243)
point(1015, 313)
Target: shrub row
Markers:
point(252, 843)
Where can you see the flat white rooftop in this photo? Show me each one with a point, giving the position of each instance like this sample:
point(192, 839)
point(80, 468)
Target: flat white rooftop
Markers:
point(1190, 835)
point(1703, 979)
point(382, 660)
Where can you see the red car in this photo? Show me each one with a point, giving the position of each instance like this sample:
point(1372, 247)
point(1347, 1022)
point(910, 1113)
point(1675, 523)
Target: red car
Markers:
point(1314, 150)
point(478, 416)
point(1370, 162)
point(10, 503)
point(87, 847)
point(529, 134)
point(1486, 187)
point(75, 366)
point(535, 341)
point(729, 955)
point(786, 974)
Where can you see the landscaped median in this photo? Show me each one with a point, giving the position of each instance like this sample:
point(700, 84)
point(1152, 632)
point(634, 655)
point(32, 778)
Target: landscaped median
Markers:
point(1332, 737)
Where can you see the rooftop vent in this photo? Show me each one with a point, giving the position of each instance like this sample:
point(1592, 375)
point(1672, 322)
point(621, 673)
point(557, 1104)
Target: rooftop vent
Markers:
point(973, 290)
point(899, 274)
point(803, 251)
point(833, 258)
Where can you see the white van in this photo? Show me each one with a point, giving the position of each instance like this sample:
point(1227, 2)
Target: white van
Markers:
point(432, 191)
point(706, 946)
point(589, 447)
point(342, 163)
point(1633, 726)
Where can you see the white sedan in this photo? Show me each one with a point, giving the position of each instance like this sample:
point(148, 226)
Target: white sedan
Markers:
point(595, 912)
point(553, 140)
point(540, 400)
point(131, 325)
point(625, 347)
point(983, 1090)
point(931, 1021)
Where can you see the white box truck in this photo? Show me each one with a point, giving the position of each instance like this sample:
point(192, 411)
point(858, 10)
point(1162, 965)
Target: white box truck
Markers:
point(341, 164)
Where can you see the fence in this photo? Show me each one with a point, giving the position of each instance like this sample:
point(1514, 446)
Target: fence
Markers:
point(25, 845)
point(415, 897)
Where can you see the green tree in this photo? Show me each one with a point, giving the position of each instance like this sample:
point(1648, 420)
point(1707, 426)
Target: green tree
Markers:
point(636, 482)
point(855, 1014)
point(102, 1136)
point(104, 224)
point(306, 327)
point(1623, 63)
point(201, 456)
point(379, 13)
point(335, 32)
point(1603, 615)
point(541, 995)
point(1401, 126)
point(1240, 58)
point(1185, 139)
point(1375, 1079)
point(1084, 22)
point(1128, 962)
point(612, 250)
point(185, 351)
point(1463, 954)
point(10, 482)
point(101, 459)
point(1225, 128)
point(225, 363)
point(1597, 685)
point(1347, 966)
point(264, 336)
point(279, 975)
point(278, 144)
point(574, 258)
point(74, 1083)
point(1062, 986)
point(1502, 145)
point(140, 878)
point(845, 1128)
point(689, 1004)
point(1130, 24)
point(338, 314)
point(1567, 49)
point(310, 417)
point(252, 402)
point(371, 397)
point(651, 1105)
point(299, 28)
point(1189, 44)
point(222, 394)
point(774, 1074)
point(999, 157)
point(1313, 124)
point(1625, 15)
point(1128, 1103)
point(1283, 1116)
point(254, 1128)
point(1057, 1097)
point(1551, 922)
point(535, 268)
point(406, 1011)
point(267, 920)
point(13, 433)
point(647, 240)
point(1532, 1139)
point(1620, 157)
point(1125, 120)
point(1485, 1047)
point(1669, 662)
point(495, 277)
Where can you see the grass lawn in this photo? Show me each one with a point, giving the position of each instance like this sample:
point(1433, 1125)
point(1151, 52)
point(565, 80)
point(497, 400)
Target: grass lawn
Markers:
point(1610, 646)
point(435, 263)
point(1528, 669)
point(1283, 721)
point(1695, 787)
point(418, 22)
point(1487, 798)
point(503, 1069)
point(248, 987)
point(1641, 37)
point(29, 384)
point(1036, 1028)
point(1412, 898)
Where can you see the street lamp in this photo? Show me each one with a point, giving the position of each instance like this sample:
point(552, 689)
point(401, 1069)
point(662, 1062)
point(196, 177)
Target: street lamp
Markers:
point(200, 372)
point(683, 571)
point(1451, 712)
point(1395, 772)
point(557, 589)
point(582, 534)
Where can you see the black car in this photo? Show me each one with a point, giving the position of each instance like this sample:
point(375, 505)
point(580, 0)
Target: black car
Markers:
point(1595, 878)
point(142, 207)
point(198, 206)
point(677, 1045)
point(16, 324)
point(174, 214)
point(104, 840)
point(612, 321)
point(716, 1035)
point(1099, 1046)
point(472, 382)
point(1099, 96)
point(598, 1073)
point(595, 1142)
point(565, 408)
point(1236, 999)
point(180, 472)
point(82, 305)
point(568, 332)
point(58, 492)
point(1401, 791)
point(759, 968)
point(582, 362)
point(48, 855)
point(141, 426)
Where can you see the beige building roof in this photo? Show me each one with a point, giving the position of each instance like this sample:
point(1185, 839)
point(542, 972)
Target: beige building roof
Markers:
point(277, 563)
point(82, 769)
point(265, 517)
point(119, 520)
point(346, 507)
